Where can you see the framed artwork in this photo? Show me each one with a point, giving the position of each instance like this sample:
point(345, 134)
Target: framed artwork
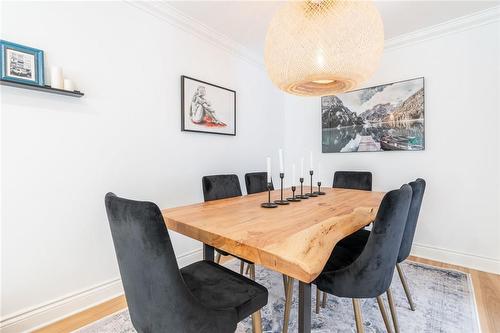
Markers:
point(380, 118)
point(21, 63)
point(207, 108)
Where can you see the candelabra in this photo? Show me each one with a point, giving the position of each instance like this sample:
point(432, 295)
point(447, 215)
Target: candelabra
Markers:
point(311, 194)
point(268, 204)
point(281, 201)
point(319, 192)
point(302, 195)
point(293, 198)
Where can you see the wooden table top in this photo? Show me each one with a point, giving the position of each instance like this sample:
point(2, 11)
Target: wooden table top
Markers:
point(295, 240)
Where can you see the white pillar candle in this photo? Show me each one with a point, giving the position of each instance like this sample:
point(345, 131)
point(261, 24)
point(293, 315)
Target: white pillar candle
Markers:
point(302, 167)
point(311, 160)
point(268, 160)
point(68, 85)
point(293, 174)
point(280, 153)
point(56, 77)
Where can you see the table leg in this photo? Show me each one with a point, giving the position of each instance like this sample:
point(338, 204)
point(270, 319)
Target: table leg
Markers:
point(304, 307)
point(208, 252)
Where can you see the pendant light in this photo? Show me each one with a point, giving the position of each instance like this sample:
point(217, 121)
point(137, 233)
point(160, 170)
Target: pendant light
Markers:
point(323, 47)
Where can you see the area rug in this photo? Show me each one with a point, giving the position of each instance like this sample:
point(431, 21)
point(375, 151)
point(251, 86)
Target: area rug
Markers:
point(444, 303)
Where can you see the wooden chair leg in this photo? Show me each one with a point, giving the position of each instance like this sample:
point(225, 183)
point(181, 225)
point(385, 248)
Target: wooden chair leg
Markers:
point(242, 266)
point(248, 269)
point(288, 303)
point(256, 317)
point(318, 299)
point(325, 295)
point(402, 277)
point(285, 283)
point(217, 257)
point(357, 316)
point(393, 310)
point(381, 306)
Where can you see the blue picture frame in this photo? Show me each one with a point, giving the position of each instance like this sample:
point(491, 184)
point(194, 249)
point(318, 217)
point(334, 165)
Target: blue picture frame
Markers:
point(21, 63)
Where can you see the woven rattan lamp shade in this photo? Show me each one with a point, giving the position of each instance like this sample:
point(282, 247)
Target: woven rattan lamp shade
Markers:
point(316, 48)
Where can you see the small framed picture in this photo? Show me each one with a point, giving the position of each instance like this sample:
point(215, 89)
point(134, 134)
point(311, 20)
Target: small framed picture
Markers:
point(21, 63)
point(207, 108)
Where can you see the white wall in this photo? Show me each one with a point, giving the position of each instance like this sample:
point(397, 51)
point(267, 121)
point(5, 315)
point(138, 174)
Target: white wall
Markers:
point(60, 155)
point(460, 218)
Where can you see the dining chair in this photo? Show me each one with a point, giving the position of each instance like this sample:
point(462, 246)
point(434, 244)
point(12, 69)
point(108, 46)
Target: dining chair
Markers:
point(201, 297)
point(358, 240)
point(355, 180)
point(257, 182)
point(368, 274)
point(221, 187)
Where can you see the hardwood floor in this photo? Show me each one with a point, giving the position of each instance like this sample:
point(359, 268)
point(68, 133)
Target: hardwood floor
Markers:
point(486, 289)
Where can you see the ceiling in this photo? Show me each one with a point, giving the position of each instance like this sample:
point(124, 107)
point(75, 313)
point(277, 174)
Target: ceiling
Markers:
point(245, 22)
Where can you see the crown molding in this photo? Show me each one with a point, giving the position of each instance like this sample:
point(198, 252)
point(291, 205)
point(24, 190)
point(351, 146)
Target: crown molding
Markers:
point(175, 17)
point(459, 24)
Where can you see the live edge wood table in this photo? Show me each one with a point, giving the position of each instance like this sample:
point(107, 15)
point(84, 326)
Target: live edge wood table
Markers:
point(295, 240)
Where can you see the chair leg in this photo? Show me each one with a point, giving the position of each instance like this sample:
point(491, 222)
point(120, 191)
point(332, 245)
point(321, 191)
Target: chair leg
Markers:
point(217, 257)
point(242, 267)
point(285, 282)
point(248, 269)
point(288, 303)
point(381, 306)
point(357, 316)
point(405, 286)
point(256, 318)
point(393, 310)
point(318, 299)
point(325, 295)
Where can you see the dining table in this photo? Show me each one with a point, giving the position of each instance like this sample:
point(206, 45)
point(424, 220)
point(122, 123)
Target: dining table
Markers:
point(295, 239)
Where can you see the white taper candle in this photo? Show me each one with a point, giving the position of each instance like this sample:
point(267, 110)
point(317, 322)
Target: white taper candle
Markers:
point(293, 174)
point(302, 167)
point(280, 153)
point(311, 160)
point(268, 160)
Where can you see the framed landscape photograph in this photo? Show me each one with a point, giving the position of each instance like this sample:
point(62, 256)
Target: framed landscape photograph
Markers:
point(207, 108)
point(380, 118)
point(21, 63)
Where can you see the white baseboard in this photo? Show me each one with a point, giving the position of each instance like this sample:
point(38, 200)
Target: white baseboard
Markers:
point(42, 315)
point(480, 263)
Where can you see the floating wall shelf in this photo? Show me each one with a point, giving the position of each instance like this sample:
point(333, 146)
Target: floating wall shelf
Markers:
point(47, 89)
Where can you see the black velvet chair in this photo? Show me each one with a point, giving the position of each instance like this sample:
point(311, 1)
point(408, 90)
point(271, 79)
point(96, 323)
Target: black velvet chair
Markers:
point(368, 274)
point(358, 240)
point(221, 187)
point(201, 297)
point(356, 180)
point(257, 182)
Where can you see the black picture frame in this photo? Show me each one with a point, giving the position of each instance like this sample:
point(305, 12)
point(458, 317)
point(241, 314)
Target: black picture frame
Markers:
point(183, 106)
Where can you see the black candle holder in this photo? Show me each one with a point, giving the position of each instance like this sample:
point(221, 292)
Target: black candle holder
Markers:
point(311, 194)
point(269, 204)
point(319, 192)
point(281, 201)
point(302, 195)
point(293, 198)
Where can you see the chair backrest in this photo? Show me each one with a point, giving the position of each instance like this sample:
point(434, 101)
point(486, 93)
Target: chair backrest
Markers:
point(220, 187)
point(418, 188)
point(157, 298)
point(256, 182)
point(356, 180)
point(371, 273)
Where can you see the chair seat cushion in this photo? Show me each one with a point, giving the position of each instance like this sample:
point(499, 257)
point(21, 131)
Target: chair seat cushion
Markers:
point(217, 287)
point(224, 253)
point(355, 242)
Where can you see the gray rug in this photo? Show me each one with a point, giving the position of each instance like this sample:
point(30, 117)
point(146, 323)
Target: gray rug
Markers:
point(444, 300)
